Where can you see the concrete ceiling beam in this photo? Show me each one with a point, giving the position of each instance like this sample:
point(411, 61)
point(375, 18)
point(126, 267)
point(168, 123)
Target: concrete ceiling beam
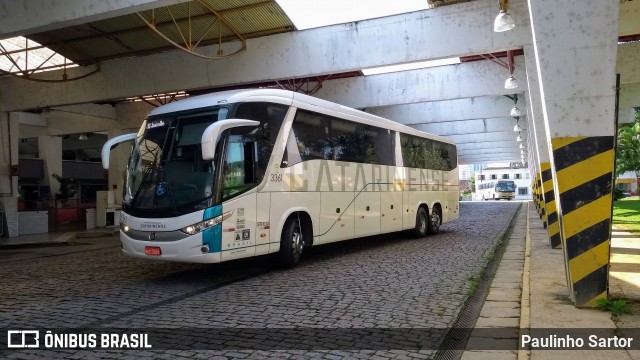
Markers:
point(19, 17)
point(313, 52)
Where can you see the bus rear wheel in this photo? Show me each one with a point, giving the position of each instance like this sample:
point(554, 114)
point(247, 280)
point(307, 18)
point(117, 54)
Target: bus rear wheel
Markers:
point(434, 221)
point(420, 230)
point(291, 243)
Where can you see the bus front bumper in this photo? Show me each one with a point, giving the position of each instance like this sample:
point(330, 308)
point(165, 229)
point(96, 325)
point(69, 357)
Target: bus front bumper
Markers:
point(507, 196)
point(185, 250)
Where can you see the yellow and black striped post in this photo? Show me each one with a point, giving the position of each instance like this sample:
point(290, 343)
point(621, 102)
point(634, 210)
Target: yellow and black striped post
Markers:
point(534, 193)
point(540, 195)
point(535, 185)
point(551, 214)
point(584, 171)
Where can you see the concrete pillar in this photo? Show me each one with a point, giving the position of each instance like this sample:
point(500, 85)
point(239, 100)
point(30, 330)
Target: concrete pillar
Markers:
point(575, 44)
point(547, 203)
point(50, 150)
point(8, 183)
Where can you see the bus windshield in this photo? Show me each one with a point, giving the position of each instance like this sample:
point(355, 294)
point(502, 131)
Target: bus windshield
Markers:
point(166, 170)
point(506, 186)
point(167, 176)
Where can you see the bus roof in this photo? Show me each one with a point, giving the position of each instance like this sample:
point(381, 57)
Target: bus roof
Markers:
point(288, 98)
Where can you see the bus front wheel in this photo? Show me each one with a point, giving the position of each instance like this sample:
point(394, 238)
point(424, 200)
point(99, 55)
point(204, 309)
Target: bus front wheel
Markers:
point(291, 243)
point(434, 221)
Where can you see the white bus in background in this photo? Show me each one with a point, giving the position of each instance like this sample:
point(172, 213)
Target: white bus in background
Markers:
point(251, 172)
point(496, 190)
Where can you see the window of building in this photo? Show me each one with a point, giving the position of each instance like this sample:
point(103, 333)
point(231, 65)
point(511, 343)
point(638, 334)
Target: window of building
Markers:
point(494, 177)
point(518, 176)
point(523, 191)
point(481, 177)
point(505, 176)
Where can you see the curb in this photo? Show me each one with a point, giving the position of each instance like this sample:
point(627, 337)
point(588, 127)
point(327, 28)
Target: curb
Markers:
point(525, 299)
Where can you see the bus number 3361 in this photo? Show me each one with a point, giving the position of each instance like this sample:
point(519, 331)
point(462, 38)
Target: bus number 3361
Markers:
point(243, 173)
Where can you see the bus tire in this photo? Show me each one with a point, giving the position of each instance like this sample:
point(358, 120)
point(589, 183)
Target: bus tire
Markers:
point(434, 221)
point(422, 223)
point(292, 243)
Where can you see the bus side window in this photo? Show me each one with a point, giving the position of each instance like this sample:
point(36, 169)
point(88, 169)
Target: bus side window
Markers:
point(264, 136)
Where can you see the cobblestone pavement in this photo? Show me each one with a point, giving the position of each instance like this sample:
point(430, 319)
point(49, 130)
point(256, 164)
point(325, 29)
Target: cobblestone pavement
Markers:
point(390, 287)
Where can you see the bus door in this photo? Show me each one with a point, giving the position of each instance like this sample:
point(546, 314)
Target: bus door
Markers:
point(239, 238)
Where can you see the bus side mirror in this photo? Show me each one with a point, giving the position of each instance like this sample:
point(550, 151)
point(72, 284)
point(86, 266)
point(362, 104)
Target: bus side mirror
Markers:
point(112, 143)
point(213, 131)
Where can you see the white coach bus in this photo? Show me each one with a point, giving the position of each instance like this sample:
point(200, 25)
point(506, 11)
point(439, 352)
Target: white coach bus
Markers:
point(496, 190)
point(243, 173)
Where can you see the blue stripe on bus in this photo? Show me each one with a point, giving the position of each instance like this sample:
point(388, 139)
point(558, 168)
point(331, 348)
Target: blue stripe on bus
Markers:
point(212, 212)
point(213, 235)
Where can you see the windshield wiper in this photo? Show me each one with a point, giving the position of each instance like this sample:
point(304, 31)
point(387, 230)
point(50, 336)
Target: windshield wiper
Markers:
point(147, 170)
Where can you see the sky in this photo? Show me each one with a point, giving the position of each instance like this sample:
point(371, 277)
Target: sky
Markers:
point(307, 14)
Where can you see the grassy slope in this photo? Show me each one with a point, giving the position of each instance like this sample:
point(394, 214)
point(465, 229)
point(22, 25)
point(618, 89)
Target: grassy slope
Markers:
point(626, 214)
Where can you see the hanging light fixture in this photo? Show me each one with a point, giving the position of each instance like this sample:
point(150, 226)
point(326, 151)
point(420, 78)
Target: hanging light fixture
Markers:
point(83, 137)
point(517, 128)
point(521, 146)
point(511, 83)
point(519, 138)
point(504, 21)
point(515, 111)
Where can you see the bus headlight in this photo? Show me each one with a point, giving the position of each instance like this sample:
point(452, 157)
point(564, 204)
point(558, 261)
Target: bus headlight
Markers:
point(202, 226)
point(124, 228)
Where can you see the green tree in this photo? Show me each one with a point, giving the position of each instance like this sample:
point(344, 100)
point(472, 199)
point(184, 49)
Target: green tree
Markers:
point(65, 193)
point(628, 151)
point(473, 182)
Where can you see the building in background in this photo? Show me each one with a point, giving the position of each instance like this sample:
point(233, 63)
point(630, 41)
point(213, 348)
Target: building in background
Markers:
point(465, 172)
point(628, 183)
point(477, 167)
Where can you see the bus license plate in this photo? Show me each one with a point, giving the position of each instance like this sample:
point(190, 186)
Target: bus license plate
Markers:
point(152, 251)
